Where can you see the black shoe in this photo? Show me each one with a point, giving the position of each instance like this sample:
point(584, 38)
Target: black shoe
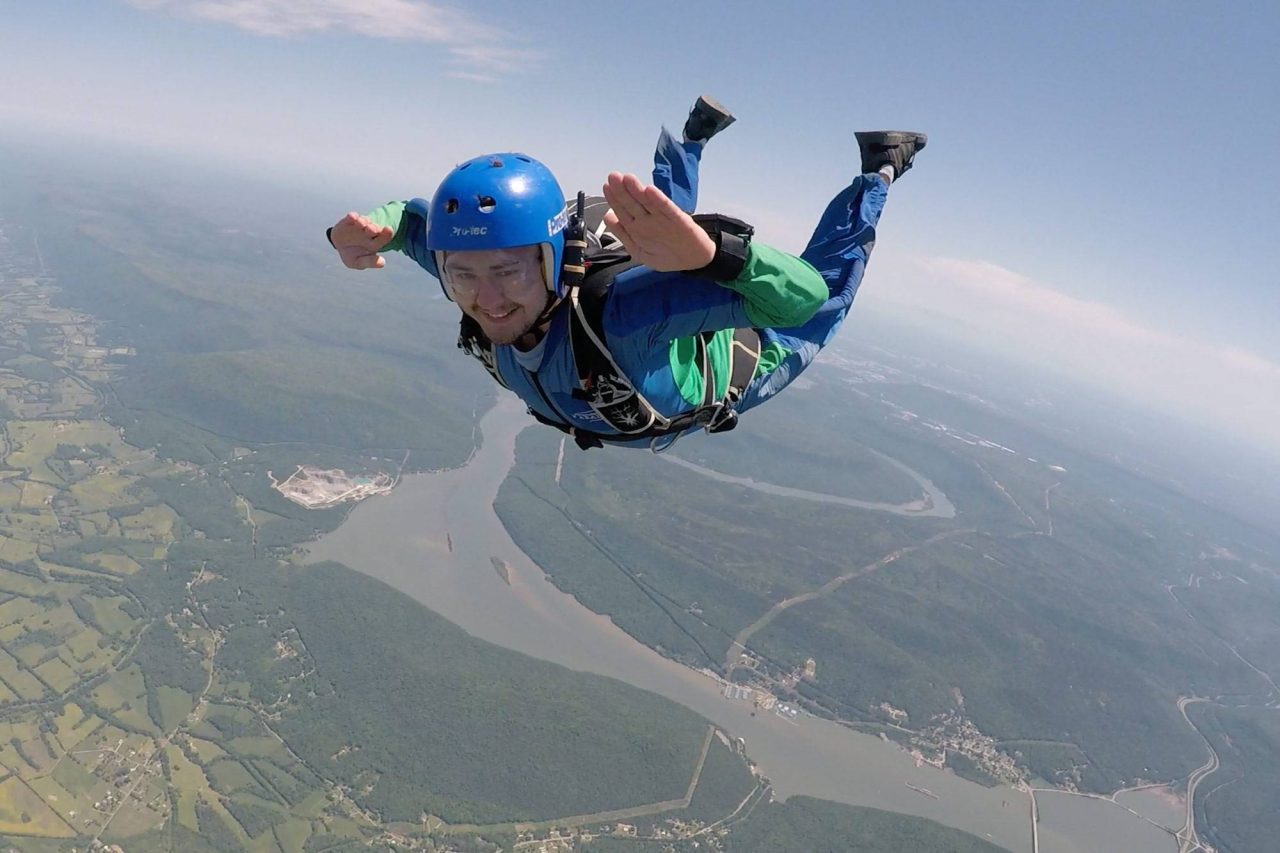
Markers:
point(707, 118)
point(896, 148)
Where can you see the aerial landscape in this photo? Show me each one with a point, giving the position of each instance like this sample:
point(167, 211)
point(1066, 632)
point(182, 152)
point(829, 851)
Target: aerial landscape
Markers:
point(283, 570)
point(180, 671)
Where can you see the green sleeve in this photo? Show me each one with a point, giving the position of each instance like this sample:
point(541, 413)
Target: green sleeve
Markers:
point(392, 213)
point(780, 289)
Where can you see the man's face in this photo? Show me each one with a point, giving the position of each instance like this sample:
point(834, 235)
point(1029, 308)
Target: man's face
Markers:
point(501, 289)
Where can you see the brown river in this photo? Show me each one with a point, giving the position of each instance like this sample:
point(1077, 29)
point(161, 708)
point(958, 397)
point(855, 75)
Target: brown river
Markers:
point(437, 539)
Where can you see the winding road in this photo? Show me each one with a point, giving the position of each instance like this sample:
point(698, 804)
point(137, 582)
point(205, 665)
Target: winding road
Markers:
point(739, 644)
point(1188, 839)
point(933, 504)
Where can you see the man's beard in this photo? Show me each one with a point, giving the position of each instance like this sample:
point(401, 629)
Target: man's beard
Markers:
point(529, 333)
point(510, 337)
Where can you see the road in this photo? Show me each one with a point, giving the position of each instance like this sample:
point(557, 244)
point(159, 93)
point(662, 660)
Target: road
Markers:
point(739, 644)
point(1188, 840)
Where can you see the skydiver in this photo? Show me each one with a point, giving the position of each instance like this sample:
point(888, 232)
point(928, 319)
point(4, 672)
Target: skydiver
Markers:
point(706, 325)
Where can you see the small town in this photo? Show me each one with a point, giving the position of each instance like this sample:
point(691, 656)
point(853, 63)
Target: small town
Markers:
point(951, 732)
point(948, 732)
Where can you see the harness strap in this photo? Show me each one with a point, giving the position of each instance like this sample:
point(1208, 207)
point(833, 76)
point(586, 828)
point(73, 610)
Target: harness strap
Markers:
point(473, 342)
point(703, 355)
point(744, 357)
point(720, 415)
point(601, 382)
point(583, 438)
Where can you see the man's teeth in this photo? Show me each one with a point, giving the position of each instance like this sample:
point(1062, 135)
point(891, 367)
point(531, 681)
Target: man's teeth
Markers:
point(500, 316)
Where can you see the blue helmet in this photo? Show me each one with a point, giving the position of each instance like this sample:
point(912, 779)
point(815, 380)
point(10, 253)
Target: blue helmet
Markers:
point(500, 201)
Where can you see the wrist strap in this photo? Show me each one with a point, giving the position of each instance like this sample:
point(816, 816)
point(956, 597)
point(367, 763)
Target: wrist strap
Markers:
point(733, 246)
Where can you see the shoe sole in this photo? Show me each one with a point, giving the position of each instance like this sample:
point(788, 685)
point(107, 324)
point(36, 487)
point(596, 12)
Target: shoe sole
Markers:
point(712, 107)
point(892, 138)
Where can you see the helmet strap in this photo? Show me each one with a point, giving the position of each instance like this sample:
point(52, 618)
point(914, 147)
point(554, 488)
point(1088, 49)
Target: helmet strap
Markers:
point(538, 330)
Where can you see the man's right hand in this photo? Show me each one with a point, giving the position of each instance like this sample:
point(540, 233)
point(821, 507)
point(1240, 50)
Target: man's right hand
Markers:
point(358, 240)
point(655, 232)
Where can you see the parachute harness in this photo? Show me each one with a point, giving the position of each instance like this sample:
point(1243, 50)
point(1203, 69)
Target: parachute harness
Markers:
point(602, 384)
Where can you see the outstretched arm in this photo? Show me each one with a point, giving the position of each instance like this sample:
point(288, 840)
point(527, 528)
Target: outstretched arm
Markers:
point(358, 240)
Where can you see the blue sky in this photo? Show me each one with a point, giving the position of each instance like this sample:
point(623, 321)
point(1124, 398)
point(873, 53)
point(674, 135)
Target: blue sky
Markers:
point(1099, 192)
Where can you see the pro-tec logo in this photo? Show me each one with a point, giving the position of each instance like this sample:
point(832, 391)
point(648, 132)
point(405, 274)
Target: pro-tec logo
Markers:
point(558, 223)
point(470, 231)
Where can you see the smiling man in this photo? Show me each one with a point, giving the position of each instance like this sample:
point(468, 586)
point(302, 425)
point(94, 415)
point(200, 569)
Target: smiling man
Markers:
point(503, 290)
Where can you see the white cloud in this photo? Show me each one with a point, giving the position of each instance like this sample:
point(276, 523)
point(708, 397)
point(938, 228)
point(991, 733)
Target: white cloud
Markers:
point(483, 50)
point(1215, 383)
point(473, 76)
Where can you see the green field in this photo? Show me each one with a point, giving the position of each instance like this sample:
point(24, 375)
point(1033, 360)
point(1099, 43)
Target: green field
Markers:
point(23, 812)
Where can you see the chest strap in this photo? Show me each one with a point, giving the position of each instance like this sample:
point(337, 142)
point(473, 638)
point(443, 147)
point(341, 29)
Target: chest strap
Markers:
point(615, 399)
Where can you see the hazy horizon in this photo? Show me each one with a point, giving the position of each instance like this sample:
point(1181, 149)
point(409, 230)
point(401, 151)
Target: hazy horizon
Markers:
point(1089, 198)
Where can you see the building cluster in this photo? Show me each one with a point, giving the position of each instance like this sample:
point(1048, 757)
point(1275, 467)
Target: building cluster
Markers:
point(761, 698)
point(951, 732)
point(763, 687)
point(692, 834)
point(898, 715)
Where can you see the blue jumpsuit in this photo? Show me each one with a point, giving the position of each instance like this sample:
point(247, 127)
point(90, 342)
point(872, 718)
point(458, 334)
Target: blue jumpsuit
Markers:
point(646, 311)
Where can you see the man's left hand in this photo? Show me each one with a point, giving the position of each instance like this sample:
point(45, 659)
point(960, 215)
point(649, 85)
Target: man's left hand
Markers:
point(656, 232)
